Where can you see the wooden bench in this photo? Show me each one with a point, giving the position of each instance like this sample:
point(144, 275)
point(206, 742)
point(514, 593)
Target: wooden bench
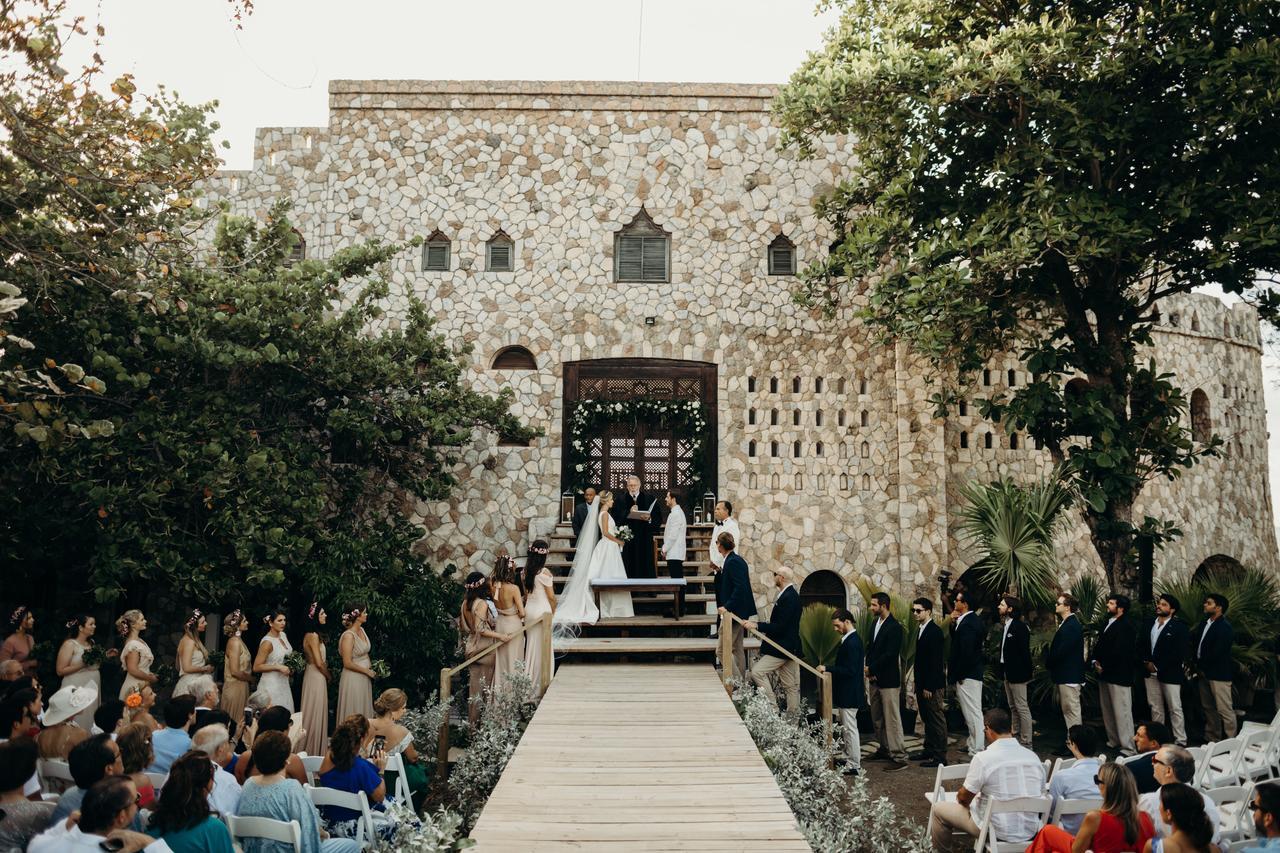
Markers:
point(675, 586)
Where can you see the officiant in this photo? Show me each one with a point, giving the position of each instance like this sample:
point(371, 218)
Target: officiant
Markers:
point(640, 511)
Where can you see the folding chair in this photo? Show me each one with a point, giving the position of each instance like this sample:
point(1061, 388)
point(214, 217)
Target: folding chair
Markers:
point(1233, 809)
point(1074, 807)
point(157, 780)
point(939, 794)
point(356, 802)
point(987, 840)
point(1219, 766)
point(1253, 759)
point(264, 827)
point(1067, 763)
point(311, 764)
point(55, 775)
point(395, 764)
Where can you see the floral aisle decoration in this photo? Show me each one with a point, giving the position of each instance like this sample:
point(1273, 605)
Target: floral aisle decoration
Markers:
point(687, 419)
point(430, 833)
point(491, 746)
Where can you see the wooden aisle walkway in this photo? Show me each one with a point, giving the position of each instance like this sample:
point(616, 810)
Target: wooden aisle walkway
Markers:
point(637, 757)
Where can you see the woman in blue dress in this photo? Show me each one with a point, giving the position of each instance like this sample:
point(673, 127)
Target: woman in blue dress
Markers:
point(344, 769)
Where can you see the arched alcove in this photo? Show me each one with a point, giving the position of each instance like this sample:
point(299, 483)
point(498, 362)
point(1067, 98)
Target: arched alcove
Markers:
point(825, 587)
point(1201, 421)
point(1217, 567)
point(514, 358)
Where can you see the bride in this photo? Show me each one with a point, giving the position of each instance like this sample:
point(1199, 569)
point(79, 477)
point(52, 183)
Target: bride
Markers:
point(598, 555)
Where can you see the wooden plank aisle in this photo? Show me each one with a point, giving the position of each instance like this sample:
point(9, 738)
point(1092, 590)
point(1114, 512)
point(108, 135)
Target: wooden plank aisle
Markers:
point(637, 757)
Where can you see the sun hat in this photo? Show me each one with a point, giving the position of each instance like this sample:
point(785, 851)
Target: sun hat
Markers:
point(68, 702)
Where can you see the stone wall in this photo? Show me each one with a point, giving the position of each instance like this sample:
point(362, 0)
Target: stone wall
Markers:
point(560, 168)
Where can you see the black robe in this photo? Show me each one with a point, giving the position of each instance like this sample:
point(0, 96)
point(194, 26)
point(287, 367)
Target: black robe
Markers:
point(637, 555)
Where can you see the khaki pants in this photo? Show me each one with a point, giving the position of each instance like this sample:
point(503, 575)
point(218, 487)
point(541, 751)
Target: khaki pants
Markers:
point(969, 695)
point(1167, 697)
point(1117, 715)
point(739, 652)
point(1019, 711)
point(849, 734)
point(1069, 700)
point(1219, 712)
point(886, 713)
point(948, 818)
point(788, 674)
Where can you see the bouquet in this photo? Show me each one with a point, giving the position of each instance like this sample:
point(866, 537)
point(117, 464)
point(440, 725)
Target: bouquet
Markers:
point(96, 656)
point(380, 669)
point(626, 534)
point(165, 674)
point(215, 660)
point(296, 661)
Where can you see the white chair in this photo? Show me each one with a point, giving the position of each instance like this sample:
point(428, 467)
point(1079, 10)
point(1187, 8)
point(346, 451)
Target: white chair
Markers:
point(357, 802)
point(1073, 807)
point(1249, 727)
point(311, 764)
point(395, 764)
point(1253, 759)
point(1219, 766)
point(157, 780)
point(264, 827)
point(1067, 763)
point(987, 840)
point(55, 775)
point(1233, 809)
point(939, 794)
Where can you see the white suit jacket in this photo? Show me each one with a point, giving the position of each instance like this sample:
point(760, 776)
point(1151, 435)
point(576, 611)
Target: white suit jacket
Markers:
point(673, 537)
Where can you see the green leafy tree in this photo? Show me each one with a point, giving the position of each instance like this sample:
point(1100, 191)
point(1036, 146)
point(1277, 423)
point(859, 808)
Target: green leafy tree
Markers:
point(1036, 177)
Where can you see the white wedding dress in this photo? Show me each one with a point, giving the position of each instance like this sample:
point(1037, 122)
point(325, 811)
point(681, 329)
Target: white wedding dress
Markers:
point(597, 557)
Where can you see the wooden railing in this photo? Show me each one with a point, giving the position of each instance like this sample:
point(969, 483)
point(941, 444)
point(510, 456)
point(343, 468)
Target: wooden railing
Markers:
point(727, 664)
point(447, 674)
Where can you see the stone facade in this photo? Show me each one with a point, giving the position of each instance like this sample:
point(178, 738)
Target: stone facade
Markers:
point(560, 167)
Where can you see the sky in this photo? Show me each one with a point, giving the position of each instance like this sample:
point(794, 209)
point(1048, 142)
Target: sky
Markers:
point(274, 71)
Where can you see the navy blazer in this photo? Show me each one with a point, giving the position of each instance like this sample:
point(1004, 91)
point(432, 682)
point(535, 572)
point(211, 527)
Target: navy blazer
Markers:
point(1065, 656)
point(1169, 653)
point(1143, 771)
point(967, 660)
point(1213, 659)
point(884, 658)
point(1016, 668)
point(847, 688)
point(1116, 651)
point(931, 673)
point(736, 587)
point(783, 626)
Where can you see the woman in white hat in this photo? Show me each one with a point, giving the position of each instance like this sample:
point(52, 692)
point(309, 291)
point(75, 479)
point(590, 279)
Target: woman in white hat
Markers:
point(60, 733)
point(72, 668)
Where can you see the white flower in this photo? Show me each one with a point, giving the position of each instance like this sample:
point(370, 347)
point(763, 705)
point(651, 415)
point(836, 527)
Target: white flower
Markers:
point(580, 467)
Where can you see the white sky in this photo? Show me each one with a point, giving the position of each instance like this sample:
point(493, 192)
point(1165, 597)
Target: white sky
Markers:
point(275, 71)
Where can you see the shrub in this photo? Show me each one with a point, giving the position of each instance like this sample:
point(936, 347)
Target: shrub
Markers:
point(437, 833)
point(492, 744)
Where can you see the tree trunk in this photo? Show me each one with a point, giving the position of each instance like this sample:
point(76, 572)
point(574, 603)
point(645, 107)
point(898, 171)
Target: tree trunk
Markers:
point(1115, 548)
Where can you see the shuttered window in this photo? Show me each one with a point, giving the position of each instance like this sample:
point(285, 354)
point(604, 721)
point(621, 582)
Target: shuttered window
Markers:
point(499, 253)
point(642, 252)
point(299, 250)
point(435, 255)
point(782, 257)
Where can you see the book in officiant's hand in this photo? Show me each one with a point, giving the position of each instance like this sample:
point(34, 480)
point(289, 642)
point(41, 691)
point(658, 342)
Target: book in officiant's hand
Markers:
point(638, 514)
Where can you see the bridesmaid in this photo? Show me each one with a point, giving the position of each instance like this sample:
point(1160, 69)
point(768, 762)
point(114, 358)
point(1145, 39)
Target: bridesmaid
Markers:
point(135, 656)
point(355, 687)
point(71, 667)
point(237, 676)
point(193, 657)
point(506, 595)
point(270, 661)
point(539, 587)
point(315, 684)
point(18, 645)
point(479, 623)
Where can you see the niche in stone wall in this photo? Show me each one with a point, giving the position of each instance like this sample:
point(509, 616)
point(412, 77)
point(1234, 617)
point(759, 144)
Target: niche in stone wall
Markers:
point(799, 482)
point(824, 587)
point(866, 482)
point(986, 440)
point(514, 358)
point(964, 439)
point(844, 482)
point(751, 384)
point(795, 418)
point(751, 449)
point(795, 385)
point(1195, 322)
point(864, 418)
point(840, 386)
point(795, 448)
point(817, 449)
point(817, 418)
point(773, 417)
point(817, 385)
point(840, 418)
point(1201, 422)
point(866, 450)
point(751, 481)
point(822, 482)
point(1013, 441)
point(844, 450)
point(775, 482)
point(773, 385)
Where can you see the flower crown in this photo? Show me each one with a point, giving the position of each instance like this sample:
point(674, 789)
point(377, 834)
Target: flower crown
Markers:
point(73, 621)
point(311, 611)
point(537, 550)
point(476, 584)
point(134, 699)
point(193, 619)
point(236, 616)
point(20, 614)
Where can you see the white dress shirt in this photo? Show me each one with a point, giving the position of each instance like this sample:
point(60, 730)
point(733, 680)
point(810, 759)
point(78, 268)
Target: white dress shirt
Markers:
point(1004, 638)
point(225, 796)
point(59, 839)
point(1006, 770)
point(730, 526)
point(674, 534)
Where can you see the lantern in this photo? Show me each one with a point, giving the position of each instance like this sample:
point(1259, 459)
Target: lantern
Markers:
point(566, 507)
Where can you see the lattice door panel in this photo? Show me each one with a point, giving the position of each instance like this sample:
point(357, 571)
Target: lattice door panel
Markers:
point(661, 461)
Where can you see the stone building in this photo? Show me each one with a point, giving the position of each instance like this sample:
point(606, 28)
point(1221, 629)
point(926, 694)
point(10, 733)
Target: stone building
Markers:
point(609, 240)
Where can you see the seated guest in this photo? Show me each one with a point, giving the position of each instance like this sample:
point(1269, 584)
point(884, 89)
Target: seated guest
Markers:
point(275, 719)
point(173, 740)
point(20, 819)
point(343, 769)
point(390, 707)
point(1175, 765)
point(139, 704)
point(10, 670)
point(109, 718)
point(1004, 770)
point(1148, 738)
point(136, 755)
point(1265, 806)
point(60, 731)
point(110, 806)
point(205, 691)
point(272, 794)
point(214, 743)
point(1188, 828)
point(91, 761)
point(1118, 827)
point(182, 817)
point(19, 712)
point(1076, 782)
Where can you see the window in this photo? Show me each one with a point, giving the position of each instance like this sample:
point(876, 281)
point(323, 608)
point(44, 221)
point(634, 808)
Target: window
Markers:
point(817, 385)
point(844, 482)
point(795, 418)
point(751, 384)
point(773, 448)
point(773, 417)
point(498, 253)
point(866, 450)
point(782, 256)
point(986, 440)
point(751, 416)
point(435, 252)
point(514, 358)
point(799, 482)
point(865, 419)
point(1013, 377)
point(1013, 441)
point(773, 385)
point(1201, 422)
point(795, 385)
point(840, 387)
point(751, 449)
point(641, 251)
point(817, 418)
point(866, 482)
point(964, 408)
point(840, 418)
point(862, 386)
point(986, 377)
point(299, 249)
point(817, 449)
point(964, 439)
point(795, 450)
point(1195, 322)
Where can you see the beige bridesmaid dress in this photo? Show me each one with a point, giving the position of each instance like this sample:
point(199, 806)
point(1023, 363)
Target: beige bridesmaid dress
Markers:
point(315, 708)
point(355, 689)
point(538, 605)
point(235, 693)
point(87, 677)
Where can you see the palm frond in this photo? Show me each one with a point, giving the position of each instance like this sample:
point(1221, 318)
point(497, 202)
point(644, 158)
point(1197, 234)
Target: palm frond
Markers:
point(818, 639)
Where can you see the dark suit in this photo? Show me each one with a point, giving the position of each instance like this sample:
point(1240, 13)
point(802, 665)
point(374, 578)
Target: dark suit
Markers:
point(1014, 666)
point(580, 518)
point(738, 600)
point(783, 628)
point(637, 555)
point(1217, 669)
point(848, 694)
point(884, 671)
point(1065, 661)
point(931, 675)
point(1115, 657)
point(965, 670)
point(1168, 655)
point(1143, 772)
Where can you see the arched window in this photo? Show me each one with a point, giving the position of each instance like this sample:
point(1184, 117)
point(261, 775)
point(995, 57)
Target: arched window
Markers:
point(751, 449)
point(775, 482)
point(817, 385)
point(964, 439)
point(499, 253)
point(1175, 319)
point(964, 409)
point(795, 448)
point(435, 252)
point(817, 418)
point(840, 418)
point(773, 417)
point(1201, 421)
point(844, 482)
point(1226, 327)
point(751, 480)
point(840, 386)
point(864, 418)
point(844, 450)
point(824, 587)
point(986, 376)
point(822, 482)
point(299, 249)
point(773, 385)
point(799, 482)
point(751, 416)
point(1013, 441)
point(1013, 377)
point(1195, 322)
point(862, 386)
point(866, 450)
point(866, 482)
point(751, 384)
point(817, 449)
point(641, 251)
point(514, 358)
point(795, 385)
point(986, 440)
point(773, 449)
point(782, 256)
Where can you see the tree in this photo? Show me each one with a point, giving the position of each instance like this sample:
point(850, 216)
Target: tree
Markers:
point(1036, 177)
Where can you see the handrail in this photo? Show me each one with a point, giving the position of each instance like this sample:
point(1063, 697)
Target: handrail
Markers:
point(447, 674)
point(726, 662)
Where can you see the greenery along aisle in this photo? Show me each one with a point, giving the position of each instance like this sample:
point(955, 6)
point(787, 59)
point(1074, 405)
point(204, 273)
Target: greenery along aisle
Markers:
point(687, 419)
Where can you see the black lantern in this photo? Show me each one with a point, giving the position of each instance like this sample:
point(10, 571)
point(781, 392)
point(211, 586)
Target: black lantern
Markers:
point(566, 507)
point(709, 506)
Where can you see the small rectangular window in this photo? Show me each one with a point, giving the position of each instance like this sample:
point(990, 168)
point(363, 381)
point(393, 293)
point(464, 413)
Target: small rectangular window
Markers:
point(640, 258)
point(782, 260)
point(498, 257)
point(435, 256)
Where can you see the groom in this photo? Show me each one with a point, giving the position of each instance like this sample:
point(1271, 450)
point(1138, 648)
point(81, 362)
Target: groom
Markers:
point(637, 555)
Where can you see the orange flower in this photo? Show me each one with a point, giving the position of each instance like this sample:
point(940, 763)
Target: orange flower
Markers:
point(134, 700)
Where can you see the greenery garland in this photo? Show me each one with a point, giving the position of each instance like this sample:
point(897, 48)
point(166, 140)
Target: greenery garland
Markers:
point(687, 419)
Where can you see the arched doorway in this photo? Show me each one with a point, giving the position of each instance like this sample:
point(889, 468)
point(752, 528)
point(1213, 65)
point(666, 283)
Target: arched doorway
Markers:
point(982, 597)
point(825, 587)
point(1218, 567)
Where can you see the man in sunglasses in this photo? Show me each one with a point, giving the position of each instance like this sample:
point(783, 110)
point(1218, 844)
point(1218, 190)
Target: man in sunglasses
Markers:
point(1265, 806)
point(1173, 763)
point(110, 806)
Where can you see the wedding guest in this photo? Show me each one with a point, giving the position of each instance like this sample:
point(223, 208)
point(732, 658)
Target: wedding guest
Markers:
point(140, 704)
point(355, 686)
point(109, 809)
point(1118, 827)
point(390, 707)
point(725, 523)
point(274, 719)
point(213, 743)
point(506, 595)
point(1077, 781)
point(580, 511)
point(967, 667)
point(10, 670)
point(343, 769)
point(60, 733)
point(1190, 827)
point(205, 691)
point(173, 740)
point(272, 651)
point(20, 714)
point(92, 760)
point(1113, 659)
point(193, 657)
point(109, 719)
point(539, 586)
point(848, 688)
point(783, 628)
point(1174, 765)
point(72, 669)
point(674, 535)
point(1265, 805)
point(135, 655)
point(237, 672)
point(279, 797)
point(738, 597)
point(1213, 660)
point(137, 754)
point(315, 683)
point(1065, 660)
point(480, 627)
point(1015, 665)
point(930, 684)
point(884, 676)
point(21, 819)
point(1148, 739)
point(183, 817)
point(20, 643)
point(1166, 646)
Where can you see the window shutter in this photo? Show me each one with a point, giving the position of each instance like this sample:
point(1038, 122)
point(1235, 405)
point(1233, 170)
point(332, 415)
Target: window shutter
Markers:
point(630, 258)
point(654, 258)
point(437, 257)
point(782, 260)
point(499, 257)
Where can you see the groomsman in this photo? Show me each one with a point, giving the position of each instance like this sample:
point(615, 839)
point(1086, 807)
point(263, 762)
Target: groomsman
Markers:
point(738, 598)
point(848, 692)
point(673, 546)
point(1015, 665)
point(884, 673)
point(783, 628)
point(1065, 660)
point(931, 681)
point(966, 668)
point(1213, 660)
point(1114, 655)
point(580, 511)
point(1167, 642)
point(725, 523)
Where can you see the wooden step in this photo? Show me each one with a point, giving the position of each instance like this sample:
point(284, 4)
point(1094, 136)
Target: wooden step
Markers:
point(645, 645)
point(689, 579)
point(656, 621)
